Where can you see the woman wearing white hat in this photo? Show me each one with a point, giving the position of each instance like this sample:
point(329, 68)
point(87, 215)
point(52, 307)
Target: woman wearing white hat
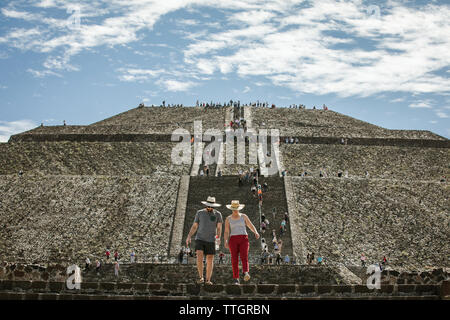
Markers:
point(236, 239)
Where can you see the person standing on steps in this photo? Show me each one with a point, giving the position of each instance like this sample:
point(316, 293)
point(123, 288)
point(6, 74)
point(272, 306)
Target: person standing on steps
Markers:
point(236, 239)
point(208, 225)
point(116, 268)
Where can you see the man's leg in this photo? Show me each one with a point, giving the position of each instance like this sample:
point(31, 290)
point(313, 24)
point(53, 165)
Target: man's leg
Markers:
point(209, 266)
point(200, 263)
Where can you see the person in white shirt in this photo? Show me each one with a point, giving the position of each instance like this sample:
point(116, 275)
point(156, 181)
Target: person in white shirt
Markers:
point(236, 239)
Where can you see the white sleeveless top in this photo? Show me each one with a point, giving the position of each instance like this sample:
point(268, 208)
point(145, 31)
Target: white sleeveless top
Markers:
point(237, 227)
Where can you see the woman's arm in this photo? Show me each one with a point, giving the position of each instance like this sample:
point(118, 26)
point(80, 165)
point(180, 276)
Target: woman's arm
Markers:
point(226, 234)
point(251, 226)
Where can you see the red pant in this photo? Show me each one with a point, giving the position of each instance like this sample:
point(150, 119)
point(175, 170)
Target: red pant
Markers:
point(239, 247)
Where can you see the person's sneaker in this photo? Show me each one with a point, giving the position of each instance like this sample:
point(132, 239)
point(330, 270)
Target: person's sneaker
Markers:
point(246, 276)
point(236, 281)
point(201, 281)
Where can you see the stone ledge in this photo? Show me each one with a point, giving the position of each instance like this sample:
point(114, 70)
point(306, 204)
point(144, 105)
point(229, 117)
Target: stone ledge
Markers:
point(243, 291)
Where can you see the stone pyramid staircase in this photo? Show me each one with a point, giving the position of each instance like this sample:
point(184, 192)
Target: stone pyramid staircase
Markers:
point(225, 189)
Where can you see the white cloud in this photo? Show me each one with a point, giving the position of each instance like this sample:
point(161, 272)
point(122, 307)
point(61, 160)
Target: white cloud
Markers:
point(309, 49)
point(133, 75)
point(175, 85)
point(397, 100)
point(42, 73)
point(421, 104)
point(13, 127)
point(441, 114)
point(295, 49)
point(246, 89)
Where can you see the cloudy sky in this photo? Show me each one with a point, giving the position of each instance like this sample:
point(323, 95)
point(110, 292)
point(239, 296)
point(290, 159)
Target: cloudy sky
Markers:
point(386, 62)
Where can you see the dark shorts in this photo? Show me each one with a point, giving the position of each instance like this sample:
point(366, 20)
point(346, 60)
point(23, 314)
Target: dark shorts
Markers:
point(207, 247)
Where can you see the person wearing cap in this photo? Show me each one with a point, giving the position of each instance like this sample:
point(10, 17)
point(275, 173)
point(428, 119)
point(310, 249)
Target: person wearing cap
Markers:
point(236, 239)
point(208, 225)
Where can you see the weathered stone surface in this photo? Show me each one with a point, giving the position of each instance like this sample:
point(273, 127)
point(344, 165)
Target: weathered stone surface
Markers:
point(22, 285)
point(321, 123)
point(382, 162)
point(213, 288)
point(405, 288)
point(387, 288)
point(363, 289)
point(192, 289)
point(236, 290)
point(265, 288)
point(89, 285)
point(140, 287)
point(445, 289)
point(284, 288)
point(6, 284)
point(248, 288)
point(124, 286)
point(41, 285)
point(424, 288)
point(107, 286)
point(306, 289)
point(89, 158)
point(350, 213)
point(63, 215)
point(342, 288)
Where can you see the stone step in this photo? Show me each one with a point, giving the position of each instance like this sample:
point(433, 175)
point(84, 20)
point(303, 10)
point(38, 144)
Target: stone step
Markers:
point(97, 290)
point(222, 273)
point(226, 189)
point(65, 296)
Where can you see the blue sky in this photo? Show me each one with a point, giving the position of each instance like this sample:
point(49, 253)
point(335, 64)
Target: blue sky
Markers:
point(385, 62)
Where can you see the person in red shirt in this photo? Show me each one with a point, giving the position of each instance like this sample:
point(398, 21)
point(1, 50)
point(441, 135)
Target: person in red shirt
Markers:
point(107, 254)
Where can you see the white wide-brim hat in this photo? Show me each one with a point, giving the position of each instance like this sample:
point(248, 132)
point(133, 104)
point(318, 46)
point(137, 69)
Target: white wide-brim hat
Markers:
point(235, 205)
point(211, 202)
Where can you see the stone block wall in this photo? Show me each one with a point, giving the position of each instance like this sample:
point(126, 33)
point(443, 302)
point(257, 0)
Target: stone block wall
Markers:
point(405, 220)
point(380, 161)
point(68, 218)
point(86, 158)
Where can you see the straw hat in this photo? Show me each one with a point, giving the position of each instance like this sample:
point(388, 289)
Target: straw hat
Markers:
point(235, 205)
point(211, 202)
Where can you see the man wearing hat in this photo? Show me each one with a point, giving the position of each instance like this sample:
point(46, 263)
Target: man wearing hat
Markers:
point(236, 239)
point(208, 225)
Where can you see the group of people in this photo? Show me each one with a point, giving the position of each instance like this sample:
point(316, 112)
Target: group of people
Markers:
point(231, 103)
point(99, 263)
point(204, 171)
point(323, 174)
point(310, 259)
point(291, 140)
point(302, 106)
point(381, 264)
point(239, 123)
point(184, 255)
